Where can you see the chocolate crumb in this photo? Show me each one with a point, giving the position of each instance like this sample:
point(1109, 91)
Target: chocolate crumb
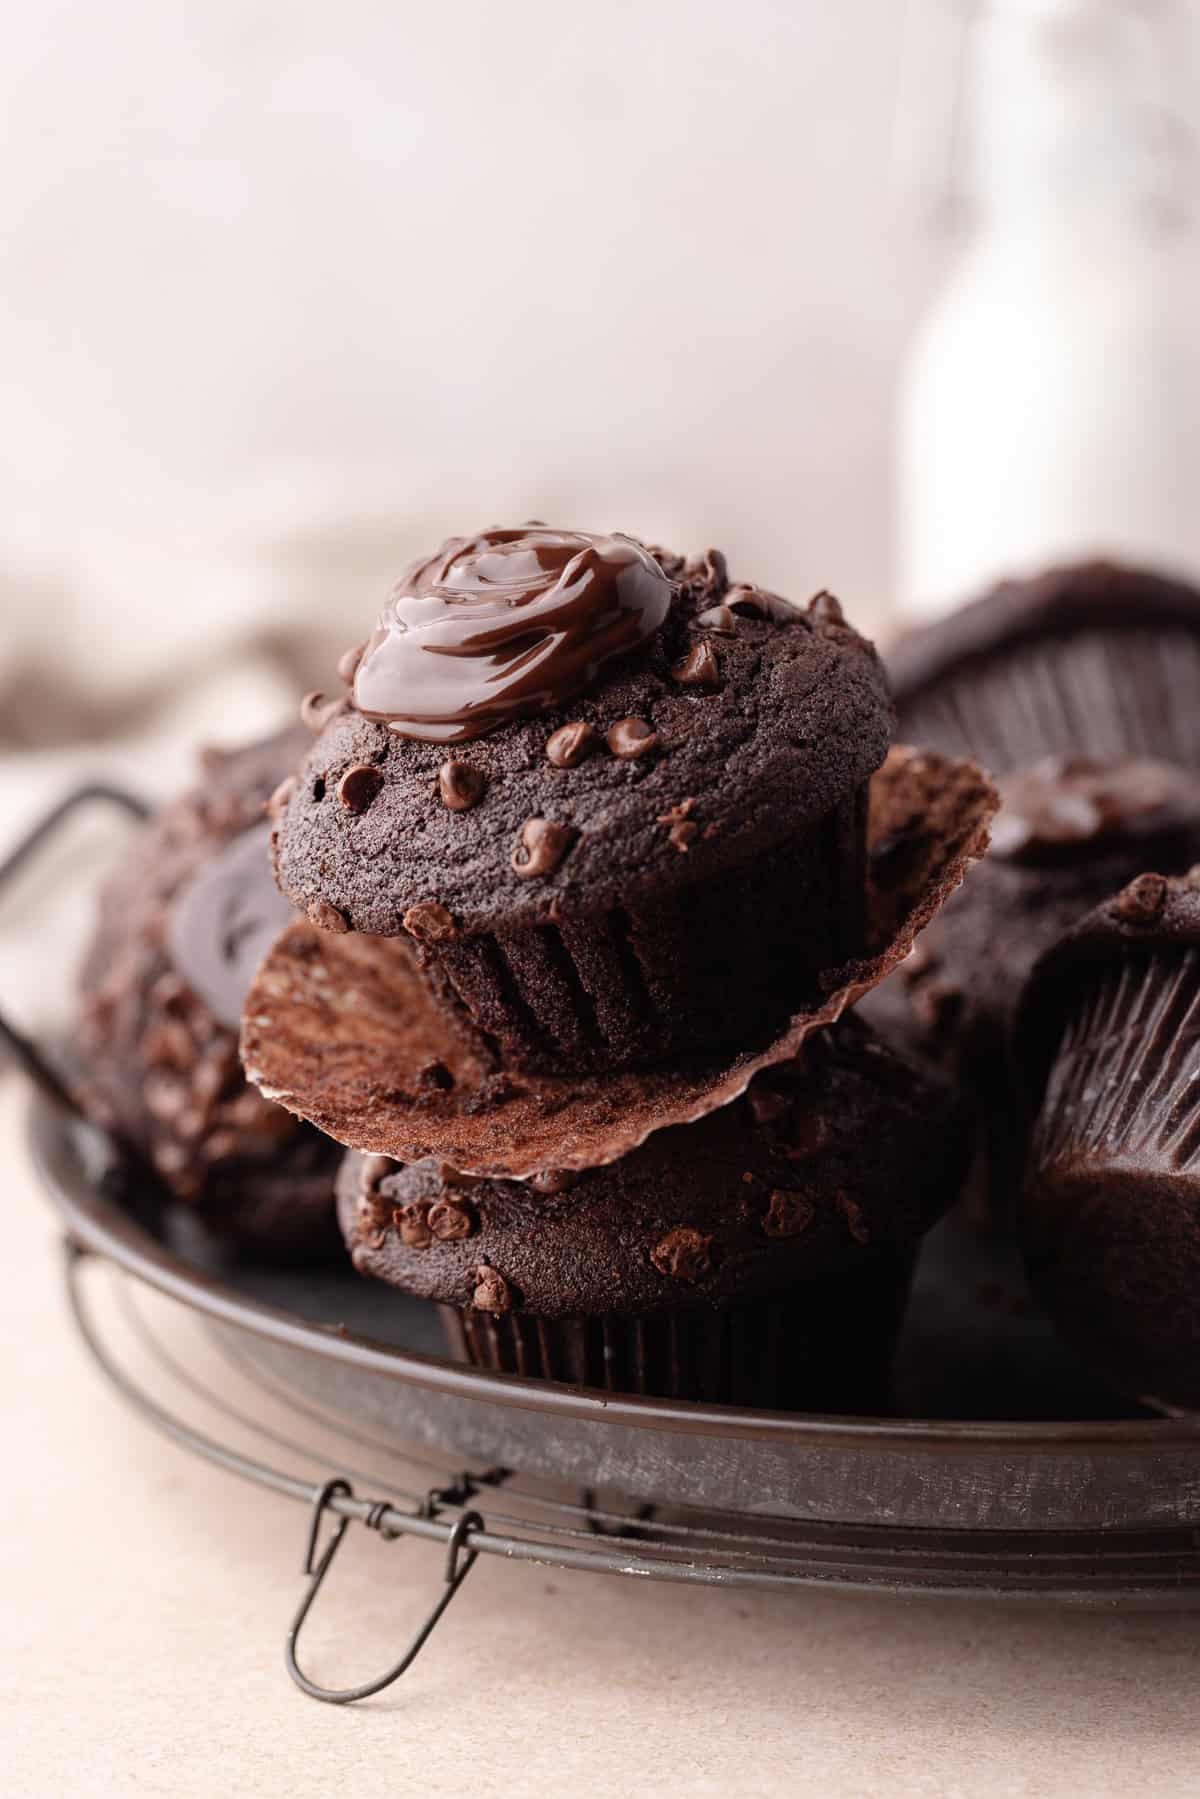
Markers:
point(699, 668)
point(460, 786)
point(430, 922)
point(631, 737)
point(570, 744)
point(681, 828)
point(359, 786)
point(685, 1254)
point(326, 917)
point(787, 1213)
point(542, 847)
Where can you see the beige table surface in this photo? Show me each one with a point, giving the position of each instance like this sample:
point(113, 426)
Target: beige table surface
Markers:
point(143, 1600)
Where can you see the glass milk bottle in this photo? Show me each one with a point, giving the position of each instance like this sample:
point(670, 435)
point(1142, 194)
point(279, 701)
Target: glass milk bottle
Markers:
point(1050, 404)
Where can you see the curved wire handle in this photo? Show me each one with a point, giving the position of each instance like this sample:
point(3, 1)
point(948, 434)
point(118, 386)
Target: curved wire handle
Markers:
point(460, 1559)
point(22, 1048)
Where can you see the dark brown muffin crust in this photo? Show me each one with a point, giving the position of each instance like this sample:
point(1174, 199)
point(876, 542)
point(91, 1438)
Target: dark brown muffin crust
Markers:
point(744, 720)
point(846, 1155)
point(160, 1069)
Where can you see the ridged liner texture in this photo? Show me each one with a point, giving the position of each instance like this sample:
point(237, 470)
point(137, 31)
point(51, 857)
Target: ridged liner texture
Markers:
point(1091, 660)
point(824, 1346)
point(347, 1031)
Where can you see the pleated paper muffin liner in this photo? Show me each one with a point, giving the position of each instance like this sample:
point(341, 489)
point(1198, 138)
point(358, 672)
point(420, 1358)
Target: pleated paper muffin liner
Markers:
point(346, 1031)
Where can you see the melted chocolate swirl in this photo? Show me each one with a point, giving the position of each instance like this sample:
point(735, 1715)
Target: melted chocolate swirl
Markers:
point(506, 624)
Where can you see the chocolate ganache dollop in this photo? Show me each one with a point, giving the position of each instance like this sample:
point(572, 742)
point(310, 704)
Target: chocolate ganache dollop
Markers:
point(505, 624)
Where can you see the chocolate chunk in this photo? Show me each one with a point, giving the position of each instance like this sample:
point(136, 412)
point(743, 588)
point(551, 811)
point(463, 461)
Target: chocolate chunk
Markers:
point(492, 1292)
point(684, 1254)
point(326, 917)
point(449, 1221)
point(460, 786)
point(430, 922)
point(718, 619)
point(825, 609)
point(681, 829)
point(348, 663)
point(699, 668)
point(277, 803)
point(570, 744)
point(413, 1224)
point(787, 1213)
point(553, 1180)
point(359, 786)
point(316, 711)
point(1143, 899)
point(542, 847)
point(852, 1212)
point(631, 737)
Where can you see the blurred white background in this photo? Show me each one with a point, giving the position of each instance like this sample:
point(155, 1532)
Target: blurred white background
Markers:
point(291, 291)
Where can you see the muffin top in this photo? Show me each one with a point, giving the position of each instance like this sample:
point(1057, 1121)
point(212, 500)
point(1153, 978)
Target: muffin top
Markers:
point(1057, 603)
point(642, 728)
point(848, 1152)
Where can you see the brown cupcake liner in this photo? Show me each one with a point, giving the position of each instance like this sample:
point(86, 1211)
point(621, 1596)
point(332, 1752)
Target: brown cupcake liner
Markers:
point(1101, 693)
point(651, 981)
point(825, 1346)
point(348, 1031)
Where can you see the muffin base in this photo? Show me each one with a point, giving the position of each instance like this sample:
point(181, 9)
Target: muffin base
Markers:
point(824, 1346)
point(652, 981)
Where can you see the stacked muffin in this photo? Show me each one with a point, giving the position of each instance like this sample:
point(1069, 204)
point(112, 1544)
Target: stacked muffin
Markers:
point(1059, 985)
point(593, 856)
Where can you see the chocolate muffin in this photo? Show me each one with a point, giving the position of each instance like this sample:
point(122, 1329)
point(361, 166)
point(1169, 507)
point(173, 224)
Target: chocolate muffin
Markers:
point(758, 1257)
point(1110, 1216)
point(617, 802)
point(1069, 832)
point(180, 930)
point(1091, 660)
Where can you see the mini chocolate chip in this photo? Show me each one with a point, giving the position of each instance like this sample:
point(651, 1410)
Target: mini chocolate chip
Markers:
point(374, 1170)
point(552, 1180)
point(450, 1222)
point(348, 663)
point(278, 801)
point(359, 786)
point(765, 1105)
point(1143, 899)
point(542, 847)
point(826, 609)
point(718, 619)
point(756, 602)
point(715, 569)
point(430, 921)
point(570, 744)
point(316, 711)
point(787, 1213)
point(412, 1224)
point(808, 1134)
point(937, 1005)
point(326, 917)
point(680, 828)
point(460, 786)
point(699, 668)
point(631, 737)
point(684, 1253)
point(492, 1292)
point(852, 1212)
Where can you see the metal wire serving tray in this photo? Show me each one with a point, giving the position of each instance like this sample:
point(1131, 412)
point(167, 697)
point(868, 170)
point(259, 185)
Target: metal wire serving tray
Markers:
point(333, 1393)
